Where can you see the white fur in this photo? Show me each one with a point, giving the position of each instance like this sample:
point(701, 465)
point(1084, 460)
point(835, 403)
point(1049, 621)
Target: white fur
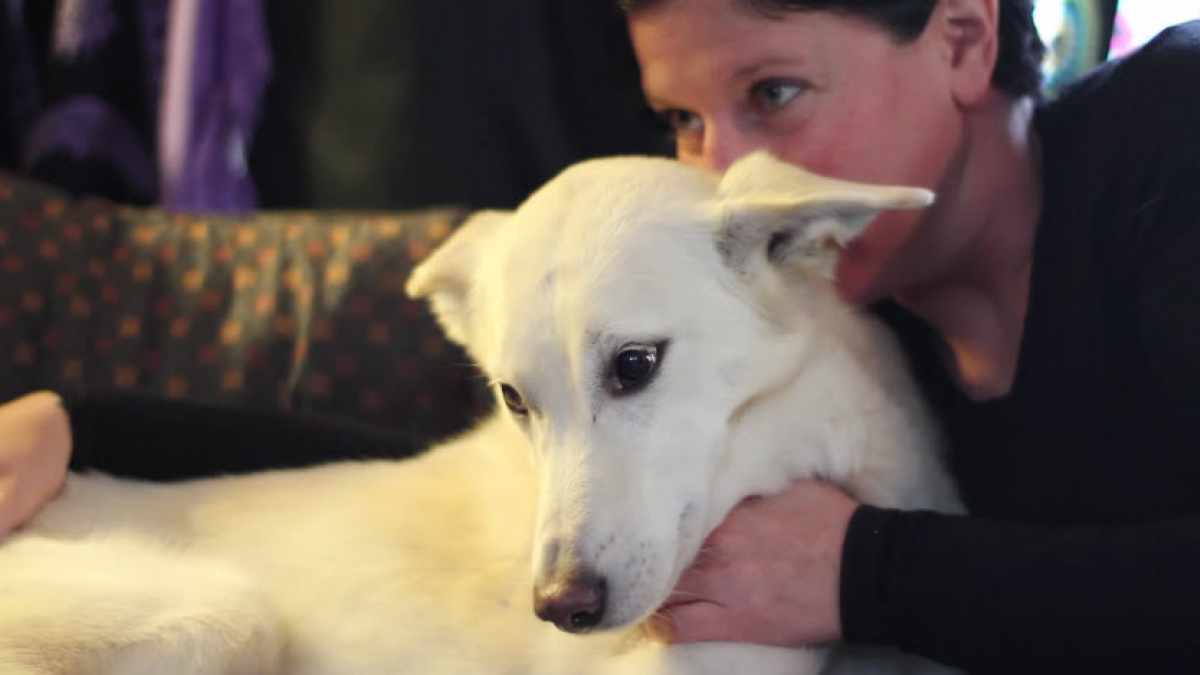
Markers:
point(427, 565)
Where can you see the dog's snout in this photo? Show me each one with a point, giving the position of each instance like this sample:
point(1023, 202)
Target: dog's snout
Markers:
point(575, 604)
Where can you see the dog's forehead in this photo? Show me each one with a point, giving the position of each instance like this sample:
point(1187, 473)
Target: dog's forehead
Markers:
point(631, 182)
point(599, 208)
point(569, 251)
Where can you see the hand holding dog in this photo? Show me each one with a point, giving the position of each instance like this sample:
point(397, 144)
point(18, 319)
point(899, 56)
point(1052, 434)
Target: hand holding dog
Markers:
point(768, 574)
point(35, 448)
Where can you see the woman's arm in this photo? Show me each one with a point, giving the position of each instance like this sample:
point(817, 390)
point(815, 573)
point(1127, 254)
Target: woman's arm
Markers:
point(991, 596)
point(986, 596)
point(151, 438)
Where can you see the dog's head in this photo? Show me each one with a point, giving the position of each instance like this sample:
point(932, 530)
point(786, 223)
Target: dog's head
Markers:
point(629, 314)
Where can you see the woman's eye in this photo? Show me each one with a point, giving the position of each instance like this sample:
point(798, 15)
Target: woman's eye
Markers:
point(685, 129)
point(770, 95)
point(681, 121)
point(634, 366)
point(512, 399)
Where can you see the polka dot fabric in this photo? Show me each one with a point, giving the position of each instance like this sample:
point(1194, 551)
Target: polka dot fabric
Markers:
point(291, 310)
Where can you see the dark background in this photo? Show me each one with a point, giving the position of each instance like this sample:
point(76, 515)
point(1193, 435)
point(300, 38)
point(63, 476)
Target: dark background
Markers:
point(386, 104)
point(389, 104)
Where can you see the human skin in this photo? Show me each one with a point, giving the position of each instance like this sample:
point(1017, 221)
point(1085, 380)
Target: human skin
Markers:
point(838, 95)
point(35, 447)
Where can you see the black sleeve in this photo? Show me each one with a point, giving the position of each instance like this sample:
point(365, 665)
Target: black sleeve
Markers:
point(151, 438)
point(999, 597)
point(996, 597)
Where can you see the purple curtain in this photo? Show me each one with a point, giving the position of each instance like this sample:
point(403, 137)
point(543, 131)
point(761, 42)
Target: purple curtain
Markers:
point(90, 113)
point(230, 64)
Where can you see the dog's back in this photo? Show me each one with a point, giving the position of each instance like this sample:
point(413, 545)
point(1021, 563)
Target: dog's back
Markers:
point(346, 568)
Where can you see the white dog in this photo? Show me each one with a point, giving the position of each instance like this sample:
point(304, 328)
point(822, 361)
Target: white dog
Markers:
point(664, 343)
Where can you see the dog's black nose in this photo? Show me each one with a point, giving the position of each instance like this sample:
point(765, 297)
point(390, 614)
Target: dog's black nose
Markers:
point(574, 604)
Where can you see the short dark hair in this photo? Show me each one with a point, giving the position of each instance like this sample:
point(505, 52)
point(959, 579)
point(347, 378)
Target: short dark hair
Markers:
point(1018, 62)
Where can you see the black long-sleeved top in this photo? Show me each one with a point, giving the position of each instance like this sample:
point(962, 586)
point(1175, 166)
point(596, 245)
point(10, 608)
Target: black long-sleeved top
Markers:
point(160, 439)
point(1082, 553)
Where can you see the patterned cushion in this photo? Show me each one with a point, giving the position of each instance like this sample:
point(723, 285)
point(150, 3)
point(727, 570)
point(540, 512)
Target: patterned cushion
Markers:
point(292, 310)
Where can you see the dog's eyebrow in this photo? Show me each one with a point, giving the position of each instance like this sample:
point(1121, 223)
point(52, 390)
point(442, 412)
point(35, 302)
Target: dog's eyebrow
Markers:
point(595, 338)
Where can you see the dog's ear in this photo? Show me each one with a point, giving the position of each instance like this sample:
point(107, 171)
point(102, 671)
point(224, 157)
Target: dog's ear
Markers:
point(445, 278)
point(776, 214)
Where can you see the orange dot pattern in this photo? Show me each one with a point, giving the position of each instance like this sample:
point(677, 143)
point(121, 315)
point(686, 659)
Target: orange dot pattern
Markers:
point(286, 310)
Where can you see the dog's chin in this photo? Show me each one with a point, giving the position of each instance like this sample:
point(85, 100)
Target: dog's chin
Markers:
point(645, 612)
point(645, 600)
point(636, 610)
point(651, 620)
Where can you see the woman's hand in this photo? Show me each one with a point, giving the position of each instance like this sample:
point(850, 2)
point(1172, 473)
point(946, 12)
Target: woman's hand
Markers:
point(768, 574)
point(35, 448)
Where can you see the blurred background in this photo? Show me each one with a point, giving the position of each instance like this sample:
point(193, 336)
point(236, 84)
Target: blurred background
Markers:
point(270, 172)
point(233, 104)
point(322, 103)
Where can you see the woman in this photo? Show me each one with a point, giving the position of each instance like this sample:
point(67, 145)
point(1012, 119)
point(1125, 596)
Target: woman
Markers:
point(1055, 298)
point(1046, 301)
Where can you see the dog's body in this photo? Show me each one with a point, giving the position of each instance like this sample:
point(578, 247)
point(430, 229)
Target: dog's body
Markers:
point(666, 346)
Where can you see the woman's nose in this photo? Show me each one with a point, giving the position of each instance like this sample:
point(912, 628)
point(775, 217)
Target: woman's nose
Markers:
point(723, 145)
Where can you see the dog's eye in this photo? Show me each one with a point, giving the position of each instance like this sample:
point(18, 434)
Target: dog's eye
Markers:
point(512, 399)
point(634, 366)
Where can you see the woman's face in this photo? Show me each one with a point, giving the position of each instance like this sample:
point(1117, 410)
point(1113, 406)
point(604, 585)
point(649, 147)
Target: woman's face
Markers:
point(830, 92)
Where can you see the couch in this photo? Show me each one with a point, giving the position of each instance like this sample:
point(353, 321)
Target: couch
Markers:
point(288, 310)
